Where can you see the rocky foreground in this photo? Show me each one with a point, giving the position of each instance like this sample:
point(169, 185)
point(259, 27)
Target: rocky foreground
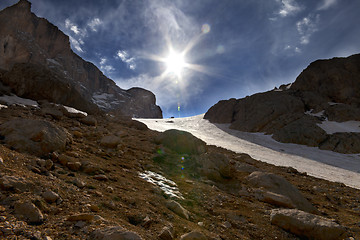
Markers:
point(64, 175)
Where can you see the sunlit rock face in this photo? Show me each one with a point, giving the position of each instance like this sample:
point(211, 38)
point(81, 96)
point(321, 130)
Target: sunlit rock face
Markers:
point(326, 91)
point(26, 39)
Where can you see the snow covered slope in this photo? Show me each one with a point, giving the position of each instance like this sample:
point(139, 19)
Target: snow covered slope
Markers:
point(328, 165)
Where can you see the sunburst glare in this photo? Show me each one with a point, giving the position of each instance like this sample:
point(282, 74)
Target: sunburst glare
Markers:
point(175, 63)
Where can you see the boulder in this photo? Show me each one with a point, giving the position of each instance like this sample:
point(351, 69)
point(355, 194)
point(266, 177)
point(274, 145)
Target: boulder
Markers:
point(114, 233)
point(279, 185)
point(178, 209)
point(15, 183)
point(181, 142)
point(302, 131)
point(342, 142)
point(216, 166)
point(36, 137)
point(29, 212)
point(110, 141)
point(193, 236)
point(50, 196)
point(89, 120)
point(307, 225)
point(167, 233)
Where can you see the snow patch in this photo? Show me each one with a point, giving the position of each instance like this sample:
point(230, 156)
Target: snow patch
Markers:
point(13, 99)
point(323, 164)
point(2, 106)
point(331, 127)
point(319, 114)
point(75, 111)
point(168, 186)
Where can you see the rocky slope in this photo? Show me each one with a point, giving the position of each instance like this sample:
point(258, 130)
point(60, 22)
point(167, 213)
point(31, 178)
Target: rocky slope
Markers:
point(37, 62)
point(64, 175)
point(326, 91)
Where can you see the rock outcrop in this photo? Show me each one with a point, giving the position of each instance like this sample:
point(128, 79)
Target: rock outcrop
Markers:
point(327, 90)
point(37, 62)
point(306, 225)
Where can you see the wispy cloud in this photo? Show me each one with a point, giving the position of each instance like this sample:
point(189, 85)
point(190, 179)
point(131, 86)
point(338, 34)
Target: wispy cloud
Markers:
point(76, 44)
point(289, 7)
point(327, 4)
point(124, 56)
point(94, 24)
point(105, 67)
point(306, 27)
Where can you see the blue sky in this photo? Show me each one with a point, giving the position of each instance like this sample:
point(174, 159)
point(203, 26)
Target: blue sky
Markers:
point(234, 48)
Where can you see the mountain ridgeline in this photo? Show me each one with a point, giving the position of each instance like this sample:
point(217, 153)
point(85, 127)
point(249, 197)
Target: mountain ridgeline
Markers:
point(326, 91)
point(36, 62)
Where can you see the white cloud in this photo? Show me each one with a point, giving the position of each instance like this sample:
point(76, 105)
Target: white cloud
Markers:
point(306, 27)
point(124, 56)
point(106, 68)
point(327, 4)
point(94, 24)
point(76, 44)
point(289, 7)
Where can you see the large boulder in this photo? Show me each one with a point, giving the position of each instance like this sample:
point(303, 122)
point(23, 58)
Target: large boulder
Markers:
point(29, 212)
point(113, 233)
point(279, 185)
point(36, 137)
point(302, 131)
point(306, 225)
point(181, 142)
point(342, 143)
point(216, 166)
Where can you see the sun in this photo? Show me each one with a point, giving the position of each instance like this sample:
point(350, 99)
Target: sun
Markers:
point(175, 63)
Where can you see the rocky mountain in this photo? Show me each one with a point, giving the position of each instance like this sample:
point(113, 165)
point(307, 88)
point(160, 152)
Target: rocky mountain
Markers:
point(36, 62)
point(326, 93)
point(65, 175)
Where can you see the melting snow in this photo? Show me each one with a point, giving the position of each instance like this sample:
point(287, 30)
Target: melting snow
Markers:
point(319, 114)
point(168, 186)
point(10, 100)
point(73, 110)
point(324, 164)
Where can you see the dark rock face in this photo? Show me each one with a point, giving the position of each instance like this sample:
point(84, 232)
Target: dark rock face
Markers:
point(32, 45)
point(326, 89)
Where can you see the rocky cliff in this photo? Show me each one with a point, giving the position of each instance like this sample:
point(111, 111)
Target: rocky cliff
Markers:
point(326, 93)
point(39, 64)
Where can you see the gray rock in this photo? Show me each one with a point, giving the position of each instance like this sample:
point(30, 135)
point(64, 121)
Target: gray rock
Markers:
point(181, 142)
point(29, 212)
point(216, 166)
point(114, 233)
point(342, 143)
point(36, 137)
point(15, 183)
point(302, 131)
point(89, 120)
point(110, 141)
point(178, 209)
point(167, 233)
point(279, 185)
point(55, 113)
point(193, 236)
point(306, 225)
point(50, 196)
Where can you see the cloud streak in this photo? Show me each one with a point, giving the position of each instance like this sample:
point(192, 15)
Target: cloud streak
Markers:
point(289, 7)
point(327, 4)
